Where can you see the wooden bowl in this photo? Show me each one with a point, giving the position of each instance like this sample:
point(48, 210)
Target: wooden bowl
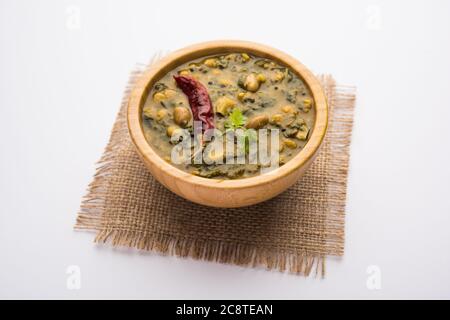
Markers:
point(225, 193)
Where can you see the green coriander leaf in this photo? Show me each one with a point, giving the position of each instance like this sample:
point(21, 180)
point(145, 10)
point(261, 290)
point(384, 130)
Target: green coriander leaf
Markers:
point(235, 120)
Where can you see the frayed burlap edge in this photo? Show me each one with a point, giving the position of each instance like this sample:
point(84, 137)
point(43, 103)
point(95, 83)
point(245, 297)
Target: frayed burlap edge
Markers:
point(341, 100)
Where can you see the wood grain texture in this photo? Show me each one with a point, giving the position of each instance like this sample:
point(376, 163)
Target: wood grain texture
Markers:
point(225, 193)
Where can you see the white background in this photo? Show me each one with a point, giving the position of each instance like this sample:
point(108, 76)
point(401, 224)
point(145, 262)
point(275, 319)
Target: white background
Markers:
point(61, 85)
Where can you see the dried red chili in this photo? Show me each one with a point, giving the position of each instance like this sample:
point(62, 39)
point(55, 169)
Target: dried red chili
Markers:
point(199, 100)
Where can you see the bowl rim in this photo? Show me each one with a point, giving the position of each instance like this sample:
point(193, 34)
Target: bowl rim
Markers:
point(138, 95)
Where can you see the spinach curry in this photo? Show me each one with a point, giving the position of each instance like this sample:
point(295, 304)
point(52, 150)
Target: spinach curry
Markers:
point(229, 91)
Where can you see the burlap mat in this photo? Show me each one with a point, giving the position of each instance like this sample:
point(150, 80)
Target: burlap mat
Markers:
point(293, 232)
